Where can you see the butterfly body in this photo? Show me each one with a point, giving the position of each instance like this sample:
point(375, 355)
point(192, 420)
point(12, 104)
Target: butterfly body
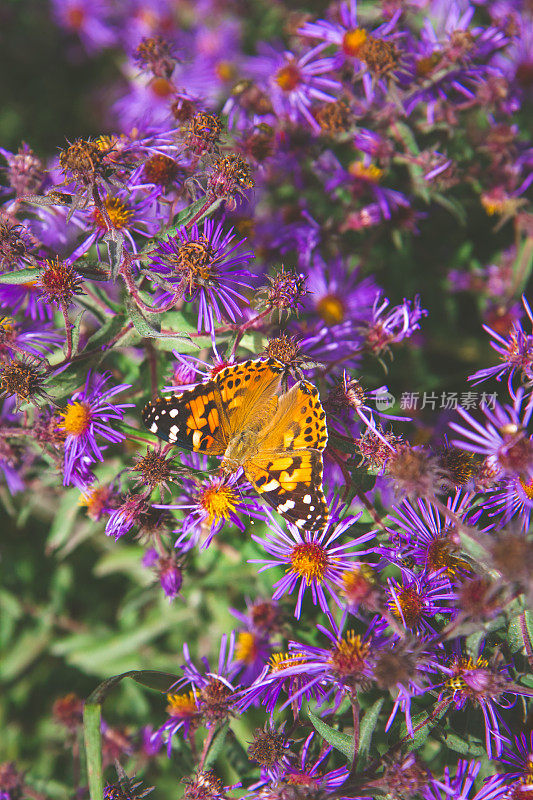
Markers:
point(277, 438)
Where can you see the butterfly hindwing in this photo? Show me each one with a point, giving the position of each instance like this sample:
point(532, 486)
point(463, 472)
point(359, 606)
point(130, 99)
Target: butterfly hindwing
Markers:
point(291, 482)
point(194, 419)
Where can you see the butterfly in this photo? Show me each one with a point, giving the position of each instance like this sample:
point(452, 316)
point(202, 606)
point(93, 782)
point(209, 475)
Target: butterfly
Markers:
point(276, 437)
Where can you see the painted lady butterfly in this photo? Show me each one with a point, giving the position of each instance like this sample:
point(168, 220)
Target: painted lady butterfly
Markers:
point(276, 437)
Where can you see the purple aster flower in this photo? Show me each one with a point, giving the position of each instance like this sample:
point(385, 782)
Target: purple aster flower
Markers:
point(503, 440)
point(337, 293)
point(476, 682)
point(25, 298)
point(28, 338)
point(390, 326)
point(519, 756)
point(87, 418)
point(426, 535)
point(278, 680)
point(306, 773)
point(252, 652)
point(416, 598)
point(512, 498)
point(88, 19)
point(129, 212)
point(128, 514)
point(515, 351)
point(462, 786)
point(314, 561)
point(203, 267)
point(170, 576)
point(210, 696)
point(210, 503)
point(295, 84)
point(341, 668)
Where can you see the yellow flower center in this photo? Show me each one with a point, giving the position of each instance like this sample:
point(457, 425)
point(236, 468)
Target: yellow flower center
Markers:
point(76, 419)
point(246, 649)
point(352, 41)
point(411, 605)
point(161, 87)
point(182, 705)
point(218, 502)
point(348, 655)
point(7, 324)
point(120, 214)
point(280, 661)
point(288, 77)
point(310, 561)
point(369, 173)
point(225, 71)
point(331, 309)
point(527, 488)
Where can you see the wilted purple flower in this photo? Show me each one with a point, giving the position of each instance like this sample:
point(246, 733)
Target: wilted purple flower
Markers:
point(390, 326)
point(203, 267)
point(87, 417)
point(512, 498)
point(417, 598)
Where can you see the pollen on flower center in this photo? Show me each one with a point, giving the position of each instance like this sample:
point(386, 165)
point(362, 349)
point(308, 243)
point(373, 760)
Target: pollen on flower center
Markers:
point(76, 419)
point(246, 649)
point(348, 655)
point(352, 41)
point(161, 87)
point(527, 488)
point(411, 605)
point(331, 309)
point(368, 172)
point(218, 502)
point(193, 261)
point(288, 77)
point(182, 705)
point(310, 561)
point(118, 211)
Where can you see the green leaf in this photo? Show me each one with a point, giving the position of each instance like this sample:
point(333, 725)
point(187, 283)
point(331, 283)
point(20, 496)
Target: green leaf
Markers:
point(368, 724)
point(426, 723)
point(147, 329)
point(160, 681)
point(106, 332)
point(115, 246)
point(518, 625)
point(93, 749)
point(340, 741)
point(457, 744)
point(20, 276)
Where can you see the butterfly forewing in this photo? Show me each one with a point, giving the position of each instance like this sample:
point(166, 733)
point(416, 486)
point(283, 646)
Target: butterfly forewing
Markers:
point(194, 419)
point(245, 390)
point(299, 423)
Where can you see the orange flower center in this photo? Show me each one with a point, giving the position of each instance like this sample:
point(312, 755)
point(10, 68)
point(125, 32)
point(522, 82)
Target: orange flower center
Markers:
point(288, 77)
point(120, 214)
point(331, 309)
point(310, 561)
point(352, 41)
point(76, 419)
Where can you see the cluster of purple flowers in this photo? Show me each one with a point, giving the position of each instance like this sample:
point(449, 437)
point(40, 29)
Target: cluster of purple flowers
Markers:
point(253, 204)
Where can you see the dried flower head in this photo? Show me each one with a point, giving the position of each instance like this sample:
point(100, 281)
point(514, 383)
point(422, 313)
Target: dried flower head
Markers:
point(373, 450)
point(155, 54)
point(84, 162)
point(229, 179)
point(161, 170)
point(397, 664)
point(414, 471)
point(25, 172)
point(13, 247)
point(202, 133)
point(512, 556)
point(268, 748)
point(204, 786)
point(24, 379)
point(335, 118)
point(68, 711)
point(286, 290)
point(155, 471)
point(59, 282)
point(459, 466)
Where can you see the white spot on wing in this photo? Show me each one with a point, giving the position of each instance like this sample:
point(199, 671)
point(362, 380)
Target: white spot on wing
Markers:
point(286, 506)
point(270, 486)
